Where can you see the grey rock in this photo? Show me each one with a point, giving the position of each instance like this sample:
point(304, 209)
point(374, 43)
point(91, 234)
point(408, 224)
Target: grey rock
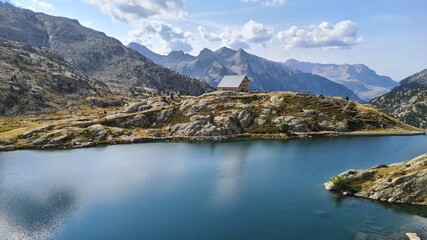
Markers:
point(337, 126)
point(43, 139)
point(65, 135)
point(244, 117)
point(201, 118)
point(136, 107)
point(99, 131)
point(294, 123)
point(165, 115)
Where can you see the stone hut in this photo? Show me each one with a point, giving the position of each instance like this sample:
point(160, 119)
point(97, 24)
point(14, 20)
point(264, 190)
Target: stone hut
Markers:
point(237, 83)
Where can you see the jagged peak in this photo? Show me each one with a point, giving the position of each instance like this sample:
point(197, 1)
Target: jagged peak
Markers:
point(225, 50)
point(205, 51)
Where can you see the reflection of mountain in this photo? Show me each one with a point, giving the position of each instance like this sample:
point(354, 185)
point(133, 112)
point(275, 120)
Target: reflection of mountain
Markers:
point(26, 216)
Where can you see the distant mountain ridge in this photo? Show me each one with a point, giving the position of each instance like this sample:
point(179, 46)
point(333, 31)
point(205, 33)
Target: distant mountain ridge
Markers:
point(210, 66)
point(365, 82)
point(92, 52)
point(408, 101)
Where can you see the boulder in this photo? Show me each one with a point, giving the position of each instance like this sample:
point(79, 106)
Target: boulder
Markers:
point(197, 128)
point(294, 123)
point(136, 107)
point(142, 120)
point(229, 124)
point(201, 118)
point(244, 117)
point(261, 120)
point(98, 131)
point(337, 126)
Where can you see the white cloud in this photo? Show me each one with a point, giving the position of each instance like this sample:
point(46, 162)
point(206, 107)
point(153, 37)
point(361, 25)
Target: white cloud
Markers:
point(42, 4)
point(35, 4)
point(344, 34)
point(146, 18)
point(267, 3)
point(134, 10)
point(169, 37)
point(251, 33)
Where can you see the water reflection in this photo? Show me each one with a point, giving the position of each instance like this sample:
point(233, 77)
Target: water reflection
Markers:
point(25, 216)
point(232, 163)
point(235, 190)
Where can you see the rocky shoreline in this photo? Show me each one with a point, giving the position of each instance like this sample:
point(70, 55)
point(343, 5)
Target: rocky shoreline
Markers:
point(396, 183)
point(216, 116)
point(272, 137)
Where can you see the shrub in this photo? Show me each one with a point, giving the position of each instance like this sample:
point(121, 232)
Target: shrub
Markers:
point(284, 128)
point(343, 185)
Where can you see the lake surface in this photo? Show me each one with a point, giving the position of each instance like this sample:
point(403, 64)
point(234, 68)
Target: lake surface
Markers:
point(232, 190)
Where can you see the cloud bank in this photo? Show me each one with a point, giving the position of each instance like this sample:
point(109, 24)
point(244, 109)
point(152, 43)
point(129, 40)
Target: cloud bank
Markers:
point(267, 3)
point(250, 33)
point(343, 34)
point(147, 20)
point(133, 10)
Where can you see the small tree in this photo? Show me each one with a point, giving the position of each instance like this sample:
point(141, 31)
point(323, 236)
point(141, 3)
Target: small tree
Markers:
point(284, 128)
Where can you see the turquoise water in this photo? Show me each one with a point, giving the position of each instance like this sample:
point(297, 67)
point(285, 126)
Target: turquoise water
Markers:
point(232, 190)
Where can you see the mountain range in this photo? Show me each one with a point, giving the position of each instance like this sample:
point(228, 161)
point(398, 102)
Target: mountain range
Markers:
point(359, 78)
point(91, 52)
point(408, 101)
point(265, 75)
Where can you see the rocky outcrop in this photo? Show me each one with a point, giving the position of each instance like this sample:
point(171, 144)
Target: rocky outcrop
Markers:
point(397, 183)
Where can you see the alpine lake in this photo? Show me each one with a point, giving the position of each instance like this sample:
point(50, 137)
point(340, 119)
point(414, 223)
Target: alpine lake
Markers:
point(222, 190)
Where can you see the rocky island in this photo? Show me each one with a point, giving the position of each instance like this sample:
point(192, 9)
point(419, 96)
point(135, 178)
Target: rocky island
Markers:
point(396, 183)
point(212, 116)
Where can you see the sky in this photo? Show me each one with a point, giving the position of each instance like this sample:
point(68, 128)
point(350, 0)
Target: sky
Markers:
point(389, 36)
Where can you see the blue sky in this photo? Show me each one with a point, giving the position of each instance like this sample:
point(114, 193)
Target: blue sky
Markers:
point(389, 36)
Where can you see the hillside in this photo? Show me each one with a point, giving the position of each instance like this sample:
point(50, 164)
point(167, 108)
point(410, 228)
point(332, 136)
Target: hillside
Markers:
point(217, 115)
point(92, 52)
point(418, 79)
point(211, 66)
point(362, 80)
point(38, 80)
point(408, 101)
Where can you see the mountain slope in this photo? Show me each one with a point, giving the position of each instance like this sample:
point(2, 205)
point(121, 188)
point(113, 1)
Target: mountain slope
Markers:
point(265, 75)
point(38, 80)
point(408, 101)
point(92, 52)
point(365, 82)
point(418, 79)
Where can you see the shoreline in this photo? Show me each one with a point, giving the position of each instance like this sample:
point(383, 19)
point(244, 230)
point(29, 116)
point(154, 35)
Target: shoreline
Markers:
point(203, 139)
